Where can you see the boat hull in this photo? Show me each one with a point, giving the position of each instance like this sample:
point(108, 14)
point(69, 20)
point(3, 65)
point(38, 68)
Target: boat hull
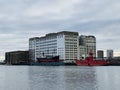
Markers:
point(47, 63)
point(92, 63)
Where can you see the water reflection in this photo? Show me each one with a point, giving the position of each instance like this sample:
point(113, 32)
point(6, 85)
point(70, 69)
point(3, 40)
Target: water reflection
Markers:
point(80, 78)
point(59, 78)
point(62, 78)
point(2, 77)
point(16, 78)
point(46, 78)
point(108, 78)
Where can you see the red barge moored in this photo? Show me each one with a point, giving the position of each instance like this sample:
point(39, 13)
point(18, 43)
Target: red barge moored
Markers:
point(89, 61)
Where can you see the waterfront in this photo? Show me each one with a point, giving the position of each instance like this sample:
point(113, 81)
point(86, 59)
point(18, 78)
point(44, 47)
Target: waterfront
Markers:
point(59, 78)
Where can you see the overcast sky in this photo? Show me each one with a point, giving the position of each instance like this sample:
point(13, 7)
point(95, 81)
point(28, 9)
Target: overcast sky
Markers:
point(23, 19)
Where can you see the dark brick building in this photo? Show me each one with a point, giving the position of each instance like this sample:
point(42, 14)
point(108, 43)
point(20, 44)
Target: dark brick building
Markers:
point(17, 57)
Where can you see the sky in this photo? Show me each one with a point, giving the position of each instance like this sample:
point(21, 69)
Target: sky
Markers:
point(23, 19)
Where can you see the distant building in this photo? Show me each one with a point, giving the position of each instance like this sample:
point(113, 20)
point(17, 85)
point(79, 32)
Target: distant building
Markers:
point(17, 57)
point(86, 45)
point(100, 54)
point(64, 44)
point(109, 54)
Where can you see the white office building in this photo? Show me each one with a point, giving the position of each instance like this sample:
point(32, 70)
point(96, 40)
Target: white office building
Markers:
point(86, 45)
point(64, 44)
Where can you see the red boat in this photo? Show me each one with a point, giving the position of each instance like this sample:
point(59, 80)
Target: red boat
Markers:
point(89, 61)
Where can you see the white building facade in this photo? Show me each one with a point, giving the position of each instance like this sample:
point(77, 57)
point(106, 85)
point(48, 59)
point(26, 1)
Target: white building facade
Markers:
point(64, 44)
point(86, 45)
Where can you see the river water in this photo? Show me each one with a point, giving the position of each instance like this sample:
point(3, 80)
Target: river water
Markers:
point(59, 78)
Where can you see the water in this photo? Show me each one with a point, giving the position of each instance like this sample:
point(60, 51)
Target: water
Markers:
point(59, 78)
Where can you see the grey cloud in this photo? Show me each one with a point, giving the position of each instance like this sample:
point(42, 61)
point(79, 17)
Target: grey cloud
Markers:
point(22, 19)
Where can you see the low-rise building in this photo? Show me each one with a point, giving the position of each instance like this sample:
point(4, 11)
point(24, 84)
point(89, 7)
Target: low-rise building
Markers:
point(109, 54)
point(100, 54)
point(17, 57)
